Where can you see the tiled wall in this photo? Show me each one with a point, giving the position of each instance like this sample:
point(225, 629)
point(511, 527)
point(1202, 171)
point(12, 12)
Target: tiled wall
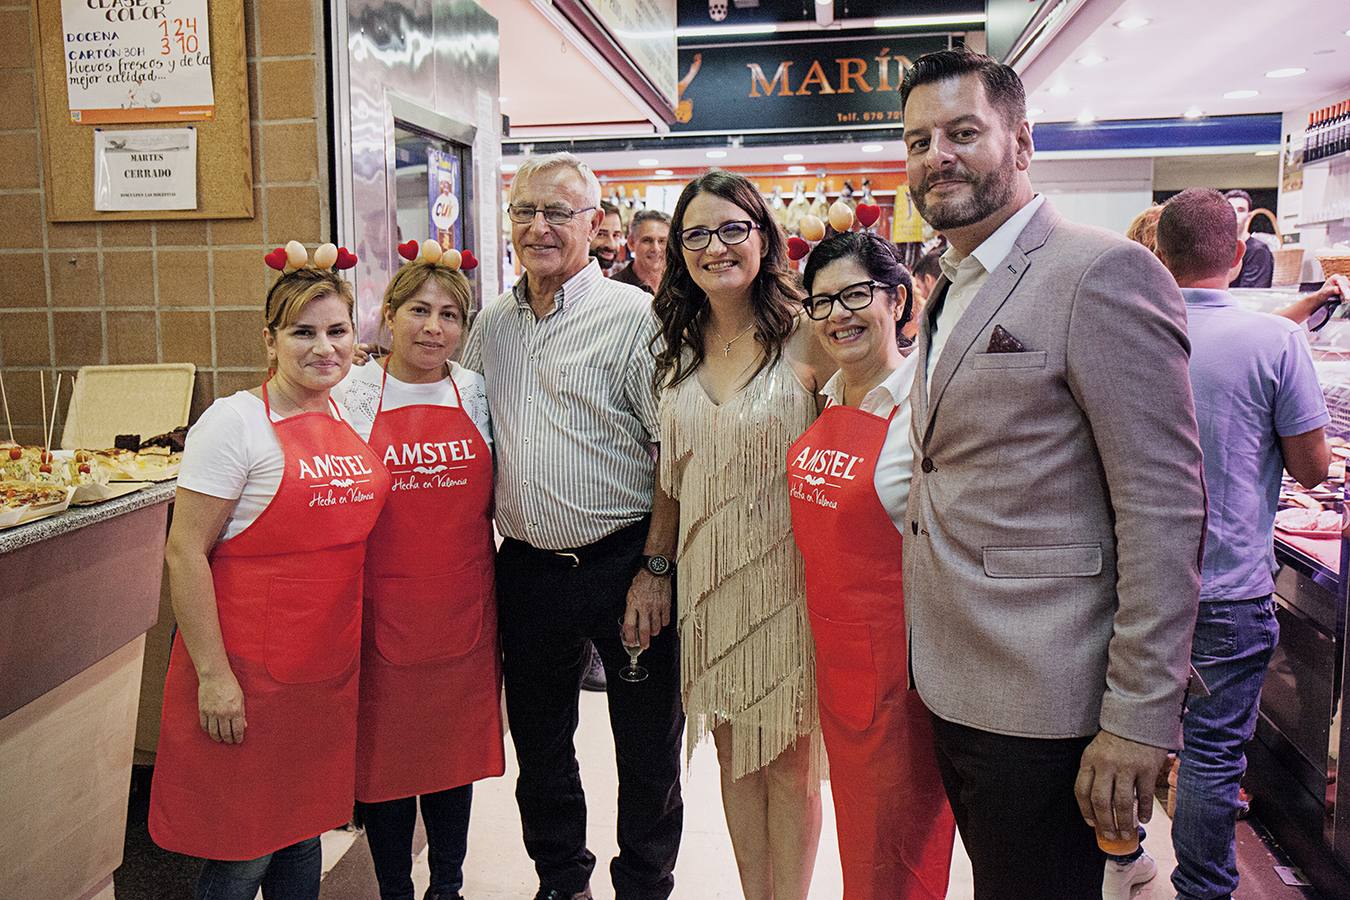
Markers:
point(173, 291)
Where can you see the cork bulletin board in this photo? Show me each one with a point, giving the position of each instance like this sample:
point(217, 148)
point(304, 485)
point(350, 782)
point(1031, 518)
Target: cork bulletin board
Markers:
point(224, 146)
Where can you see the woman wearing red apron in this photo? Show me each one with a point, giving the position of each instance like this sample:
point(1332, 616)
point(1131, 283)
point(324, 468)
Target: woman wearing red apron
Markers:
point(429, 723)
point(848, 477)
point(275, 500)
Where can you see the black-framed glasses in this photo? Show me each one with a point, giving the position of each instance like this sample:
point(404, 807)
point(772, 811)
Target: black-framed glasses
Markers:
point(728, 233)
point(553, 215)
point(853, 298)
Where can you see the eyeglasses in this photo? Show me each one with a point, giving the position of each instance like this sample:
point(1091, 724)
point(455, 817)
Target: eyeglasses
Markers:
point(728, 233)
point(553, 215)
point(853, 298)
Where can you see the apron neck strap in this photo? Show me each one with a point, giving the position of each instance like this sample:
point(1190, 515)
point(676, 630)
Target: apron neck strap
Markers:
point(384, 380)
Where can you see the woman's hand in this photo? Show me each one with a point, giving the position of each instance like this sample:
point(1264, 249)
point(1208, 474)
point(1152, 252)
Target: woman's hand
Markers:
point(220, 708)
point(364, 353)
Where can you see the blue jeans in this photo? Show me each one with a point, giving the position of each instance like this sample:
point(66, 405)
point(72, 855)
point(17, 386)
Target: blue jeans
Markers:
point(291, 873)
point(389, 832)
point(1234, 640)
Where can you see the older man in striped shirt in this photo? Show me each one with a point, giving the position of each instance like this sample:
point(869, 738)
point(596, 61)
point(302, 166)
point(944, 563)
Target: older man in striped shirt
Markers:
point(567, 361)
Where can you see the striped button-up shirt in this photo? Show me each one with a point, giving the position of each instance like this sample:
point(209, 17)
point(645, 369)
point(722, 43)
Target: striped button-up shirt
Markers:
point(573, 409)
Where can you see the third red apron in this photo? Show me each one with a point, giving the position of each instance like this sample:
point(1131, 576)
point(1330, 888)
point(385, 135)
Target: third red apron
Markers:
point(895, 827)
point(288, 594)
point(430, 713)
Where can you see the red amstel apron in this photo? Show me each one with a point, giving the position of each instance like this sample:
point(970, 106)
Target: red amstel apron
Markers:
point(430, 713)
point(895, 826)
point(288, 593)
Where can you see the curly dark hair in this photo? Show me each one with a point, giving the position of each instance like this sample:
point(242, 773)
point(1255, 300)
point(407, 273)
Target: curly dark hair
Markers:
point(682, 307)
point(879, 258)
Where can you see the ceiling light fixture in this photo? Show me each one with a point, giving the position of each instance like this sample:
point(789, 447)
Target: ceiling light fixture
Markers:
point(509, 167)
point(1086, 118)
point(664, 172)
point(716, 154)
point(649, 163)
point(1193, 113)
point(725, 30)
point(1059, 90)
point(797, 170)
point(872, 148)
point(1240, 95)
point(1092, 59)
point(793, 157)
point(1132, 23)
point(922, 21)
point(1267, 153)
point(1286, 73)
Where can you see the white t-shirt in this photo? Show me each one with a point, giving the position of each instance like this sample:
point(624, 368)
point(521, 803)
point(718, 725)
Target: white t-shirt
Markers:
point(233, 453)
point(359, 396)
point(895, 466)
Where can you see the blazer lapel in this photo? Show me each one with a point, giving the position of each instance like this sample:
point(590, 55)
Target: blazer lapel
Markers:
point(918, 393)
point(995, 292)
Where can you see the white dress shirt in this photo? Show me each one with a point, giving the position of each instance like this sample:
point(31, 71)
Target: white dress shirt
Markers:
point(895, 466)
point(968, 274)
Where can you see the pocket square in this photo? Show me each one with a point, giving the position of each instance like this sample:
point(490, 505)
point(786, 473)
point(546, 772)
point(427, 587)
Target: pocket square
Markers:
point(1001, 341)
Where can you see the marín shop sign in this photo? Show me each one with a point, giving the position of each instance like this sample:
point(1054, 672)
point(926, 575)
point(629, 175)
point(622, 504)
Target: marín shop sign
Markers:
point(805, 85)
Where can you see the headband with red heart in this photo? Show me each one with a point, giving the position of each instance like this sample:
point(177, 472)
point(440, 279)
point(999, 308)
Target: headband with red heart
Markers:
point(294, 256)
point(841, 218)
point(430, 251)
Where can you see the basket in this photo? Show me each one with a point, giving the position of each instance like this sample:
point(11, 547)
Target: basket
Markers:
point(1335, 264)
point(1288, 260)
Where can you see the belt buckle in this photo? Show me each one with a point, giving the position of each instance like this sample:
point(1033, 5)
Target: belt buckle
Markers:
point(563, 554)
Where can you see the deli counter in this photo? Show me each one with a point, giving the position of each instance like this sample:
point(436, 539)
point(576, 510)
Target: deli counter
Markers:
point(1302, 746)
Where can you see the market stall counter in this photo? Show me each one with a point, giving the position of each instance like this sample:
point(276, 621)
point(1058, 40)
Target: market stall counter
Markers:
point(81, 589)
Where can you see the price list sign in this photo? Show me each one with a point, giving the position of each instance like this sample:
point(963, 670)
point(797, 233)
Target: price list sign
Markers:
point(137, 61)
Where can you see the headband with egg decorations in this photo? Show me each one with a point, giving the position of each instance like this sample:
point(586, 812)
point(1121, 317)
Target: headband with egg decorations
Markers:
point(294, 256)
point(430, 251)
point(841, 219)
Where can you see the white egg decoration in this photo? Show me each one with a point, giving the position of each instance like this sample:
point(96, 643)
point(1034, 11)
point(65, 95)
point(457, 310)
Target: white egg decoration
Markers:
point(431, 250)
point(325, 256)
point(841, 216)
point(296, 255)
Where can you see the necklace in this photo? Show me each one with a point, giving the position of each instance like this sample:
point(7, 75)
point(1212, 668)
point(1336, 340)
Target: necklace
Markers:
point(726, 345)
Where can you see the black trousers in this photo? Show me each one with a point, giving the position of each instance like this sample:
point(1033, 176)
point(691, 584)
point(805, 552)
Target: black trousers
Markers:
point(1015, 809)
point(548, 611)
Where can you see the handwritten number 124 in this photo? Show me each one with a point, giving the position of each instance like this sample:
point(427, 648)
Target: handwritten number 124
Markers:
point(182, 32)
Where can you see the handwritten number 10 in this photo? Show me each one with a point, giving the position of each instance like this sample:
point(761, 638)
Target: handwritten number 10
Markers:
point(184, 34)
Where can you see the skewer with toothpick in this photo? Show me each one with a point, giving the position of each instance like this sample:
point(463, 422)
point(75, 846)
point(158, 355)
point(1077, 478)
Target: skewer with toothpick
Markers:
point(4, 399)
point(56, 400)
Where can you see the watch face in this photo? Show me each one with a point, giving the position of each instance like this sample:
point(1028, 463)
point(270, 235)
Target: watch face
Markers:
point(658, 565)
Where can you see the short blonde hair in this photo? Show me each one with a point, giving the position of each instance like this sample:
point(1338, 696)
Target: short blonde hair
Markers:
point(411, 278)
point(538, 165)
point(1144, 228)
point(293, 291)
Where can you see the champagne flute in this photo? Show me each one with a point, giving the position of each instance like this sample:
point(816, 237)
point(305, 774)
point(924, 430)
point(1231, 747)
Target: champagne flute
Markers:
point(632, 672)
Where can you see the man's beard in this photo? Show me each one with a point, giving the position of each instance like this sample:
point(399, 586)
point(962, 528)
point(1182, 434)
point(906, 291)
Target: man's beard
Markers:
point(987, 196)
point(606, 260)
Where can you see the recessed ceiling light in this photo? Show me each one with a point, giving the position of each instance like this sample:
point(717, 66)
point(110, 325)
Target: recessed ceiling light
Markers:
point(502, 99)
point(1059, 90)
point(649, 163)
point(1240, 95)
point(1092, 59)
point(1132, 23)
point(1193, 113)
point(716, 154)
point(664, 172)
point(509, 167)
point(1267, 153)
point(1034, 111)
point(793, 157)
point(797, 170)
point(871, 148)
point(1286, 73)
point(1086, 118)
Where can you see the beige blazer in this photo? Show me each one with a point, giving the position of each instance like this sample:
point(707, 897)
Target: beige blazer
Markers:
point(1052, 558)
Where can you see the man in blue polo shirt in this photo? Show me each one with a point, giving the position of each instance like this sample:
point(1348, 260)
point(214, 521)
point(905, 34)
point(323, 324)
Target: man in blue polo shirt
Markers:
point(1260, 410)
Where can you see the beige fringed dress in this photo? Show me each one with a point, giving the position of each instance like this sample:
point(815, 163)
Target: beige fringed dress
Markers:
point(746, 654)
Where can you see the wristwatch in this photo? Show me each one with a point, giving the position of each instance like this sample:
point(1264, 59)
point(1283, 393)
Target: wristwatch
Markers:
point(658, 565)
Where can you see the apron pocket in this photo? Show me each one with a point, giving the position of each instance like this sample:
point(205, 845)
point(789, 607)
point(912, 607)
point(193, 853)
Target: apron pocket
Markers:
point(313, 628)
point(846, 675)
point(435, 617)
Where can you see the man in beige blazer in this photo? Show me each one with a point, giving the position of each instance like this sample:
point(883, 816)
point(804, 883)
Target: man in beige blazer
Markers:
point(1057, 511)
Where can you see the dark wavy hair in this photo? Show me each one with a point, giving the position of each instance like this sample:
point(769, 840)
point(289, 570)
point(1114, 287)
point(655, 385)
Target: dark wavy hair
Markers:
point(682, 307)
point(878, 257)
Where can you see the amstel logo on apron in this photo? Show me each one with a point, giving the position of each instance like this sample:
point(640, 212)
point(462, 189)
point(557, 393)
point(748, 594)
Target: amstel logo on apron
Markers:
point(818, 473)
point(429, 464)
point(336, 480)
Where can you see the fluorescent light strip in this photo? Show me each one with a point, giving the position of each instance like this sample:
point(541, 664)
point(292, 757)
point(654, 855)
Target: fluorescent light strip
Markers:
point(724, 30)
point(884, 22)
point(923, 21)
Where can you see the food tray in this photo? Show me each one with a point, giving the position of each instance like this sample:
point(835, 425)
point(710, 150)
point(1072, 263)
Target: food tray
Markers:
point(1309, 533)
point(91, 494)
point(112, 400)
point(27, 514)
point(148, 476)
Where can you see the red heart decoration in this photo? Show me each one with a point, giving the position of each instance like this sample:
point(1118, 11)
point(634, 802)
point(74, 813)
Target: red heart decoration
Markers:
point(467, 261)
point(867, 214)
point(797, 248)
point(276, 259)
point(346, 259)
point(408, 250)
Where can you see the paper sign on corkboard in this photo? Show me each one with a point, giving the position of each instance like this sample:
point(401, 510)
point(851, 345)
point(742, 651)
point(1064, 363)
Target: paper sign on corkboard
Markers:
point(224, 147)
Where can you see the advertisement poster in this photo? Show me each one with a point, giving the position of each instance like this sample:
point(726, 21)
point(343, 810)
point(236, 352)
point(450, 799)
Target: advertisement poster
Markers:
point(907, 225)
point(137, 61)
point(139, 170)
point(443, 198)
point(645, 29)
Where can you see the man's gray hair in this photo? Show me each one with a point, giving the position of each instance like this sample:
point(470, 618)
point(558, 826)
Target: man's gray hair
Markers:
point(646, 215)
point(538, 165)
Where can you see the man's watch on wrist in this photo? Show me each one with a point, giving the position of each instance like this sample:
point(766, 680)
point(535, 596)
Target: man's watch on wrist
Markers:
point(658, 565)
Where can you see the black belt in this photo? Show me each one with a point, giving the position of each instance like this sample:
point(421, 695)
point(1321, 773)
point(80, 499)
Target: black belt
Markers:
point(576, 557)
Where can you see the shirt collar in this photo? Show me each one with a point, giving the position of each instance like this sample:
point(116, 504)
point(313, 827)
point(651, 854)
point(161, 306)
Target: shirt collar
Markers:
point(1207, 297)
point(890, 393)
point(997, 246)
point(573, 290)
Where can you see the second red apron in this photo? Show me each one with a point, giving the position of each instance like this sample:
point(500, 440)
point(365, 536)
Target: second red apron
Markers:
point(288, 594)
point(895, 826)
point(430, 712)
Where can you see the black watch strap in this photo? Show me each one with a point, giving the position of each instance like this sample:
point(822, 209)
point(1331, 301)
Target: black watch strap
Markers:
point(658, 565)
